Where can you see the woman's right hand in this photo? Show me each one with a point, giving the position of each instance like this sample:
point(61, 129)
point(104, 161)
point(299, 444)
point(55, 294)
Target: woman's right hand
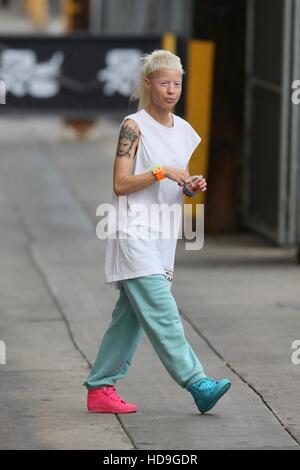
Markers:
point(177, 174)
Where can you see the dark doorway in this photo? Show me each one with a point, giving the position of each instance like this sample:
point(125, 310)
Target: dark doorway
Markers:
point(224, 22)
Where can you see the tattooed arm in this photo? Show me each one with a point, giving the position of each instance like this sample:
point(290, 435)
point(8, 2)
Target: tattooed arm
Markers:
point(124, 182)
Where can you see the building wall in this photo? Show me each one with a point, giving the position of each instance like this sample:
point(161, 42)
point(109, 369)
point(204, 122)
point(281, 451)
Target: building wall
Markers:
point(141, 16)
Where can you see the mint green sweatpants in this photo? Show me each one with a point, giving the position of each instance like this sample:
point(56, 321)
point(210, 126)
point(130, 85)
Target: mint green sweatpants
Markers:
point(145, 305)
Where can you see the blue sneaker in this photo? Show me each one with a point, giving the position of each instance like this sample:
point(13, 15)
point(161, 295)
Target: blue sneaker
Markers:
point(206, 392)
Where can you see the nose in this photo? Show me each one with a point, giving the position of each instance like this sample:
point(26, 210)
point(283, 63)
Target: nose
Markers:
point(171, 88)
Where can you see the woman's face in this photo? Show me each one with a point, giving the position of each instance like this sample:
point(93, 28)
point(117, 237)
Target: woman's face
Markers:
point(165, 86)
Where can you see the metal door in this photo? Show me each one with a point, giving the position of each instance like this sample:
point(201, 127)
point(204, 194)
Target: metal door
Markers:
point(269, 201)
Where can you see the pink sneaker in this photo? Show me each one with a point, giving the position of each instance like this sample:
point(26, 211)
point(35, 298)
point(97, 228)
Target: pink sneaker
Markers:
point(106, 400)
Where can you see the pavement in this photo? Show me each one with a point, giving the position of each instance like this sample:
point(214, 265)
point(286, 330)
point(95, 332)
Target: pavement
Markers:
point(238, 298)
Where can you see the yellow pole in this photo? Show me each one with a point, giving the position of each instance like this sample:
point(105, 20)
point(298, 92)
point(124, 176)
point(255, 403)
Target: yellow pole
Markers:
point(38, 11)
point(198, 108)
point(70, 9)
point(169, 42)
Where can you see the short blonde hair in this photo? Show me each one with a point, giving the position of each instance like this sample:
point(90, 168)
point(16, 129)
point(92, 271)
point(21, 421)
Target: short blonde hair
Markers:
point(156, 60)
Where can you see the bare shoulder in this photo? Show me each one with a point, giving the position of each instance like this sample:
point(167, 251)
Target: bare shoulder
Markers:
point(131, 122)
point(130, 127)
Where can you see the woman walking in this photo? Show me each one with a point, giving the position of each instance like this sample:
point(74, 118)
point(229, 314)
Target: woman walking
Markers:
point(150, 171)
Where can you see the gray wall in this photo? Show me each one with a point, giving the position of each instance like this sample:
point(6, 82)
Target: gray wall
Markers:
point(141, 16)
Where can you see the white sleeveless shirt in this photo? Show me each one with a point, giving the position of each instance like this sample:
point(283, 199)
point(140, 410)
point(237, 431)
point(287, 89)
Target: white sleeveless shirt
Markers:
point(136, 245)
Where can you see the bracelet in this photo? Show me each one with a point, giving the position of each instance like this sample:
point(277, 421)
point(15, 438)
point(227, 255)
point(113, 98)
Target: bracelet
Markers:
point(187, 192)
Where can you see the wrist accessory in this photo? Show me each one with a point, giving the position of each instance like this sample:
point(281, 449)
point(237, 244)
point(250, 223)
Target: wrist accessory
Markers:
point(158, 172)
point(187, 192)
point(187, 188)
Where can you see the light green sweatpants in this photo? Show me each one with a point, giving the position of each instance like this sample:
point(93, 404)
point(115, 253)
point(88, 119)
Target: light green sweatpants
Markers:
point(146, 304)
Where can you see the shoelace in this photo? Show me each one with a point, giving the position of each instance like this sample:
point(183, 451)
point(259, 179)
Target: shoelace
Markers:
point(207, 384)
point(111, 392)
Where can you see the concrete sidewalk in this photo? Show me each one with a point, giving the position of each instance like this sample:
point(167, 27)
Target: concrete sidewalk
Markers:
point(238, 299)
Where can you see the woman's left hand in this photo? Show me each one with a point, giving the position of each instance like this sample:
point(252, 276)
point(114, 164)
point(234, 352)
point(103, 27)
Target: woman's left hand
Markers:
point(198, 185)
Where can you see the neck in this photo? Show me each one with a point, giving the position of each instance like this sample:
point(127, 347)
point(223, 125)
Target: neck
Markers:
point(161, 115)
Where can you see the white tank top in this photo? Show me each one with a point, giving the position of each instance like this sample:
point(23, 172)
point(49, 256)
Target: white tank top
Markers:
point(140, 255)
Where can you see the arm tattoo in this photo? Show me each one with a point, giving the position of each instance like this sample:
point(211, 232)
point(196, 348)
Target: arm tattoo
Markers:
point(128, 136)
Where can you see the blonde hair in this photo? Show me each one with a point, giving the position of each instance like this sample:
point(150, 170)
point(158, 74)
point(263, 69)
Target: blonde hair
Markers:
point(153, 62)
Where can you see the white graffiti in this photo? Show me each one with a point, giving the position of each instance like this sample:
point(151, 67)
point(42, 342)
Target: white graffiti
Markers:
point(122, 71)
point(23, 75)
